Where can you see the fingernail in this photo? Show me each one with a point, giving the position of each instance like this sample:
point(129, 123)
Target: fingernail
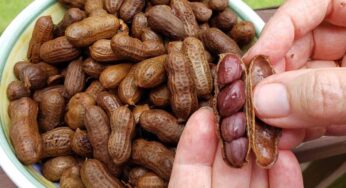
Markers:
point(271, 101)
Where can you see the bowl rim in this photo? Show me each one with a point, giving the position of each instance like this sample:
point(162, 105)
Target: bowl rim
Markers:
point(14, 169)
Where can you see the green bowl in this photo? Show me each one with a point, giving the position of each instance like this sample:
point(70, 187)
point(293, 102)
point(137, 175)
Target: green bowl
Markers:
point(13, 48)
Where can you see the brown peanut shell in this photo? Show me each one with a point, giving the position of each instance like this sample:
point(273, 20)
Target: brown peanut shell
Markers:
point(43, 31)
point(80, 144)
point(128, 91)
point(53, 168)
point(151, 72)
point(120, 139)
point(263, 139)
point(70, 178)
point(57, 142)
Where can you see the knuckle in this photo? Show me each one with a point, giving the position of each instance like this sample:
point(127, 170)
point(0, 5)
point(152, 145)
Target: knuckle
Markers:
point(323, 95)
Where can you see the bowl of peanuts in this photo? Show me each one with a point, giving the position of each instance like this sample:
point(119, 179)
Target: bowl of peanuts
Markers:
point(88, 85)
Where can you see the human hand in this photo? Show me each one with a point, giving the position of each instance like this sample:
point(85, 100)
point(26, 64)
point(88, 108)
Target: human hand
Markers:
point(308, 103)
point(198, 161)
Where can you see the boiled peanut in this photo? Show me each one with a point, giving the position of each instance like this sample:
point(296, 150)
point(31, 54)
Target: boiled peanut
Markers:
point(113, 6)
point(113, 75)
point(70, 178)
point(183, 10)
point(163, 21)
point(175, 46)
point(57, 142)
point(129, 8)
point(80, 143)
point(75, 78)
point(39, 93)
point(160, 96)
point(76, 108)
point(43, 31)
point(201, 11)
point(162, 124)
point(139, 22)
point(224, 20)
point(50, 70)
point(209, 57)
point(17, 90)
point(97, 124)
point(151, 180)
point(233, 127)
point(33, 77)
point(93, 5)
point(101, 51)
point(24, 133)
point(135, 173)
point(128, 91)
point(108, 102)
point(73, 3)
point(134, 49)
point(149, 34)
point(151, 72)
point(218, 5)
point(218, 42)
point(183, 94)
point(231, 98)
point(199, 67)
point(18, 68)
point(71, 16)
point(94, 175)
point(91, 29)
point(94, 89)
point(138, 110)
point(154, 156)
point(58, 50)
point(92, 68)
point(120, 140)
point(52, 108)
point(53, 168)
point(243, 32)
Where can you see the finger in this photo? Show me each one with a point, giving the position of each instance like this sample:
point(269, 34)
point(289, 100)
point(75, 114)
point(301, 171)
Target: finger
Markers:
point(293, 20)
point(300, 52)
point(286, 171)
point(303, 98)
point(330, 42)
point(336, 130)
point(343, 61)
point(225, 176)
point(291, 138)
point(338, 14)
point(320, 64)
point(195, 151)
point(314, 133)
point(259, 176)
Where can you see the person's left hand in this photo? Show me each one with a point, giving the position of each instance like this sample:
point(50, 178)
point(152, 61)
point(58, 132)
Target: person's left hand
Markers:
point(198, 161)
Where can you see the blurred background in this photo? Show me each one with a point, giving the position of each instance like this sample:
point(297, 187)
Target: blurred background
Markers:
point(328, 171)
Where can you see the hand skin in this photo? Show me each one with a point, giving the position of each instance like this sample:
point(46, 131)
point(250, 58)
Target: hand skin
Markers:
point(198, 161)
point(309, 35)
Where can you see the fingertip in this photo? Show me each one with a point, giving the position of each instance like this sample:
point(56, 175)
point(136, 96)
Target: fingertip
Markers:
point(198, 142)
point(286, 171)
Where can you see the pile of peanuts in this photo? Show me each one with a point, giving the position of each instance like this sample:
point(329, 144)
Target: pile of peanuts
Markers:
point(104, 95)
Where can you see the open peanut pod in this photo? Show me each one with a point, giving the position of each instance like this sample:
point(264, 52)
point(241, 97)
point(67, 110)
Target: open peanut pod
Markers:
point(239, 130)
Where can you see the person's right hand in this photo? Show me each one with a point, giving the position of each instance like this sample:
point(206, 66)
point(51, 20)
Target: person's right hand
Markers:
point(307, 103)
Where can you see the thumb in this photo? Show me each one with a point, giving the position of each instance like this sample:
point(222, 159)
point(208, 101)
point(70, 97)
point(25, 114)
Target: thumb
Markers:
point(303, 98)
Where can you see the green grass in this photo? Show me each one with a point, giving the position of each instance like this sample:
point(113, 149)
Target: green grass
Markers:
point(9, 9)
point(258, 4)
